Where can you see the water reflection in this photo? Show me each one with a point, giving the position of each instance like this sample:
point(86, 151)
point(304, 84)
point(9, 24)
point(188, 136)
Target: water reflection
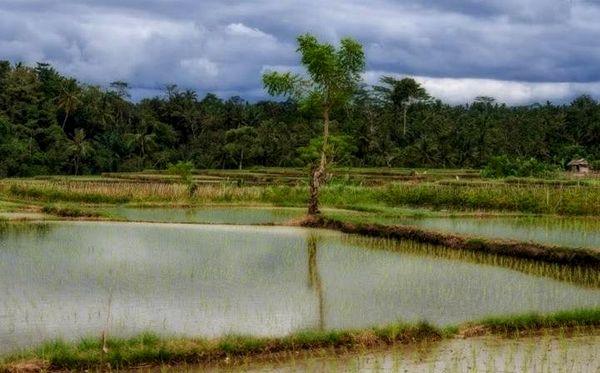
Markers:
point(560, 231)
point(214, 280)
point(314, 279)
point(210, 215)
point(580, 275)
point(38, 230)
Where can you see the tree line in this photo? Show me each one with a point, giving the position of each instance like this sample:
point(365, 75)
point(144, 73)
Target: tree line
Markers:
point(53, 124)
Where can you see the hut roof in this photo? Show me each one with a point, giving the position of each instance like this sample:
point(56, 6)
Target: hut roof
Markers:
point(578, 162)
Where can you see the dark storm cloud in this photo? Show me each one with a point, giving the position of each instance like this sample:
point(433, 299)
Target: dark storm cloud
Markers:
point(538, 49)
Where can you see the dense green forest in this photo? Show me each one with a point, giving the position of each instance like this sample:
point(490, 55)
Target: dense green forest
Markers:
point(51, 124)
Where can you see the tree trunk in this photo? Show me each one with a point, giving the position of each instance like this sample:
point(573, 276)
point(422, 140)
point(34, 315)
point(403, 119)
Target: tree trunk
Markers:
point(315, 185)
point(64, 123)
point(241, 158)
point(404, 127)
point(76, 166)
point(319, 173)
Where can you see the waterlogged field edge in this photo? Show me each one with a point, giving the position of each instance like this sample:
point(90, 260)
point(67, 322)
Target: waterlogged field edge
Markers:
point(150, 349)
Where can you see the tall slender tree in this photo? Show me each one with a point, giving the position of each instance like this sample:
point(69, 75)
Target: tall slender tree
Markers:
point(401, 94)
point(68, 100)
point(79, 148)
point(332, 77)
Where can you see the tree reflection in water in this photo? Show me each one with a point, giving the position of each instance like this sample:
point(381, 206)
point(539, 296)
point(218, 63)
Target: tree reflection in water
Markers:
point(314, 278)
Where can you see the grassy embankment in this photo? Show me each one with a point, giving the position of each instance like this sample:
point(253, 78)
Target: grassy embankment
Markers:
point(524, 250)
point(434, 191)
point(150, 349)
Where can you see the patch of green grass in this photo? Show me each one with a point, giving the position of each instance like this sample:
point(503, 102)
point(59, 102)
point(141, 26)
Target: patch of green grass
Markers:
point(532, 321)
point(8, 206)
point(572, 200)
point(562, 197)
point(53, 195)
point(148, 348)
point(70, 212)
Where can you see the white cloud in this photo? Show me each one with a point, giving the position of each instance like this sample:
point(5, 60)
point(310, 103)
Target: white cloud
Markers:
point(239, 29)
point(200, 67)
point(515, 50)
point(465, 90)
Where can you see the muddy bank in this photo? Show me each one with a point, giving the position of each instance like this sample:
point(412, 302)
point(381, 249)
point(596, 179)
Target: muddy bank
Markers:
point(525, 250)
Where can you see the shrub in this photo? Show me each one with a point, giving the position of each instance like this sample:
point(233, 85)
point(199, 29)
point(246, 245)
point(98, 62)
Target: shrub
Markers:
point(502, 166)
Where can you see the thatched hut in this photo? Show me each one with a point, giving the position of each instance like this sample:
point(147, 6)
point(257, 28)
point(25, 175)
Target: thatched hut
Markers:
point(579, 166)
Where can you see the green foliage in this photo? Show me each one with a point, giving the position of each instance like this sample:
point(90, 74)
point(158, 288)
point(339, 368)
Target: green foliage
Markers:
point(181, 169)
point(184, 171)
point(243, 145)
point(151, 349)
point(535, 321)
point(334, 74)
point(334, 77)
point(576, 200)
point(50, 195)
point(69, 211)
point(339, 150)
point(53, 124)
point(563, 197)
point(502, 166)
point(401, 92)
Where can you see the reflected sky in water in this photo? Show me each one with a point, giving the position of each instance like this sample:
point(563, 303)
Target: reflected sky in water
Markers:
point(212, 280)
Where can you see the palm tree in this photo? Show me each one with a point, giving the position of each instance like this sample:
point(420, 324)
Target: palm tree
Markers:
point(68, 100)
point(401, 94)
point(142, 141)
point(143, 138)
point(80, 148)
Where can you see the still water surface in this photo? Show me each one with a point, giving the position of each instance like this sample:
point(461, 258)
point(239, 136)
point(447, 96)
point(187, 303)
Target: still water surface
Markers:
point(60, 280)
point(210, 215)
point(569, 232)
point(560, 231)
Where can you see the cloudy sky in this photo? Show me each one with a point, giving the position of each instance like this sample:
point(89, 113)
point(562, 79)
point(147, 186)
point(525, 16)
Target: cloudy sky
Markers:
point(519, 51)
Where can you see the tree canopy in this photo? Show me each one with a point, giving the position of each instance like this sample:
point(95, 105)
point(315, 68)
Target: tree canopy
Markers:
point(41, 111)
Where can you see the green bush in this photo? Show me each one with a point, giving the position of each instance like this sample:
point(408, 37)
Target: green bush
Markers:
point(502, 166)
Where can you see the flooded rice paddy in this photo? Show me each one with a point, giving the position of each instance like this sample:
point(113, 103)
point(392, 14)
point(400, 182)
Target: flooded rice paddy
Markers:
point(568, 232)
point(66, 279)
point(210, 215)
point(552, 353)
point(560, 231)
